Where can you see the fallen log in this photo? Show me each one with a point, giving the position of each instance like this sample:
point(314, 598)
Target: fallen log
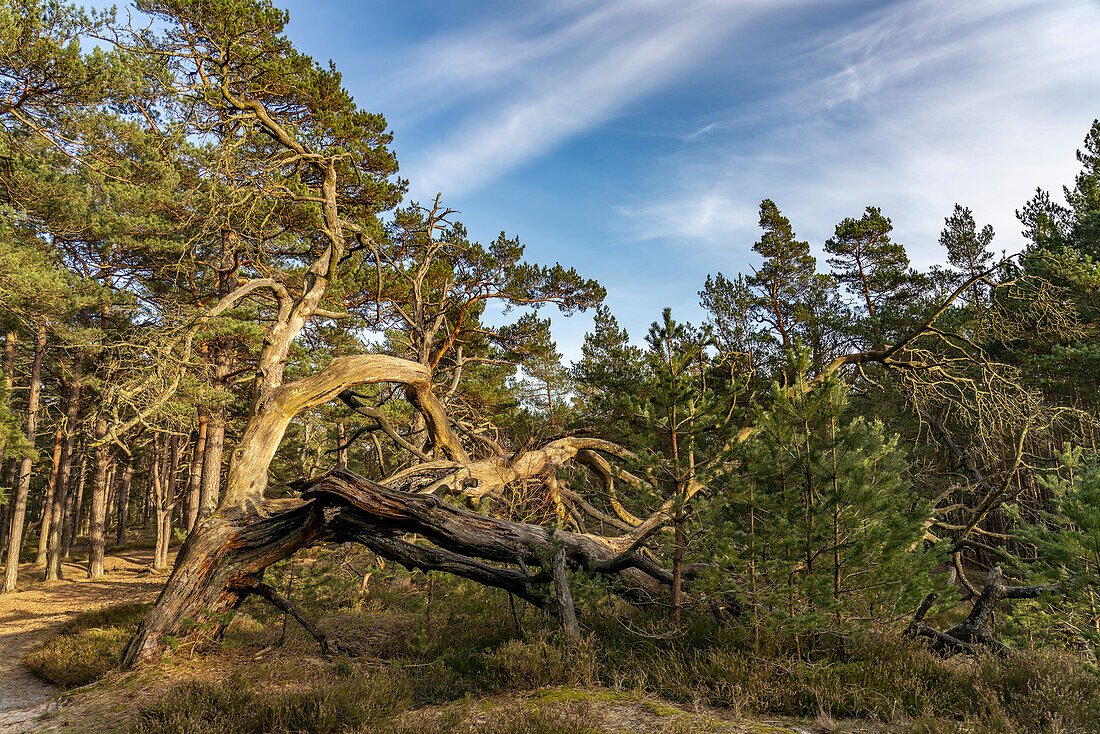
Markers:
point(223, 561)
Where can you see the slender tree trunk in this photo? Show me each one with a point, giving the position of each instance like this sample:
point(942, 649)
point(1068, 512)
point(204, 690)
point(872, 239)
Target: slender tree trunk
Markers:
point(112, 490)
point(97, 539)
point(147, 498)
point(161, 506)
point(215, 445)
point(678, 565)
point(194, 491)
point(172, 471)
point(5, 521)
point(72, 522)
point(9, 382)
point(342, 453)
point(47, 502)
point(124, 501)
point(78, 505)
point(61, 491)
point(22, 490)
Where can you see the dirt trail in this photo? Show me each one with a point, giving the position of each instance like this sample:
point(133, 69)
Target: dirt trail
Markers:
point(41, 606)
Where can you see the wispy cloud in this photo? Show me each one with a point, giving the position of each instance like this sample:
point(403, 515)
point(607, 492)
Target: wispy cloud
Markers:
point(913, 107)
point(518, 89)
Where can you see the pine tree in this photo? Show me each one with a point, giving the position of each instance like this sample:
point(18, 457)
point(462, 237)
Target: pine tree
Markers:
point(821, 517)
point(677, 415)
point(873, 267)
point(610, 367)
point(785, 276)
point(968, 251)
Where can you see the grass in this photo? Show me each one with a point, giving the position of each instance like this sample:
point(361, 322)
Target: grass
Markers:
point(431, 667)
point(324, 706)
point(87, 647)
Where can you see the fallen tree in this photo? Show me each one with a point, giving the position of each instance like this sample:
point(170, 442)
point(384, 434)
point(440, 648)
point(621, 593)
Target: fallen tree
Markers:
point(223, 561)
point(977, 630)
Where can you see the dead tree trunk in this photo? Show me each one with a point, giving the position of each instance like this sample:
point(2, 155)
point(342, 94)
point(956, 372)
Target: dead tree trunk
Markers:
point(223, 561)
point(976, 631)
point(226, 552)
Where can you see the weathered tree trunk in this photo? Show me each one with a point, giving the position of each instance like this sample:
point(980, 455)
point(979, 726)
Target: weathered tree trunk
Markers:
point(123, 506)
point(976, 631)
point(225, 557)
point(22, 490)
point(207, 567)
point(194, 493)
point(215, 447)
point(61, 496)
point(97, 517)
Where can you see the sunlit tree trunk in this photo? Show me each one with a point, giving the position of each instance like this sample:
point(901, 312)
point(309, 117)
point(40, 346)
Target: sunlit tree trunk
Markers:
point(22, 490)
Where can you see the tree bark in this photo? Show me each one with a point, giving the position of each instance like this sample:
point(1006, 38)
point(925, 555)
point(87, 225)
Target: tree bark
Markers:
point(61, 494)
point(73, 522)
point(123, 506)
point(976, 631)
point(194, 494)
point(97, 517)
point(225, 557)
point(22, 490)
point(161, 505)
point(78, 506)
point(210, 493)
point(47, 501)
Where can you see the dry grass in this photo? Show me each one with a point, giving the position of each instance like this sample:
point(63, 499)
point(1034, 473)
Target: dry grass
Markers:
point(465, 648)
point(87, 647)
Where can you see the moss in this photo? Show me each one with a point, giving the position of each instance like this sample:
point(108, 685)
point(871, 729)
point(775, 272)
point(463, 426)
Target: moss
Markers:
point(566, 694)
point(660, 709)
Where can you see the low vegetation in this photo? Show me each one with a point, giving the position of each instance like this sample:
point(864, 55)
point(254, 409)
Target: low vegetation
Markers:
point(457, 660)
point(86, 648)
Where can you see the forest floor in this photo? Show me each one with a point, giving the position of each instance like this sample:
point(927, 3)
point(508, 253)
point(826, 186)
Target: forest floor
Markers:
point(40, 607)
point(423, 654)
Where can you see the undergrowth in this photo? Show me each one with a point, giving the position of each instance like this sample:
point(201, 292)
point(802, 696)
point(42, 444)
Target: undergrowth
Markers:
point(86, 647)
point(404, 649)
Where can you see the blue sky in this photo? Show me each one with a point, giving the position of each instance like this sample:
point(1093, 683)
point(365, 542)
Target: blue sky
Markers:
point(634, 139)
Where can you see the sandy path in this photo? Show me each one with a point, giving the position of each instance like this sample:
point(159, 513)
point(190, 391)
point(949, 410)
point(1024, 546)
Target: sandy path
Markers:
point(39, 607)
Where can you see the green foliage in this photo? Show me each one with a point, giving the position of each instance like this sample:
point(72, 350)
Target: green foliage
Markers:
point(610, 367)
point(874, 268)
point(821, 520)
